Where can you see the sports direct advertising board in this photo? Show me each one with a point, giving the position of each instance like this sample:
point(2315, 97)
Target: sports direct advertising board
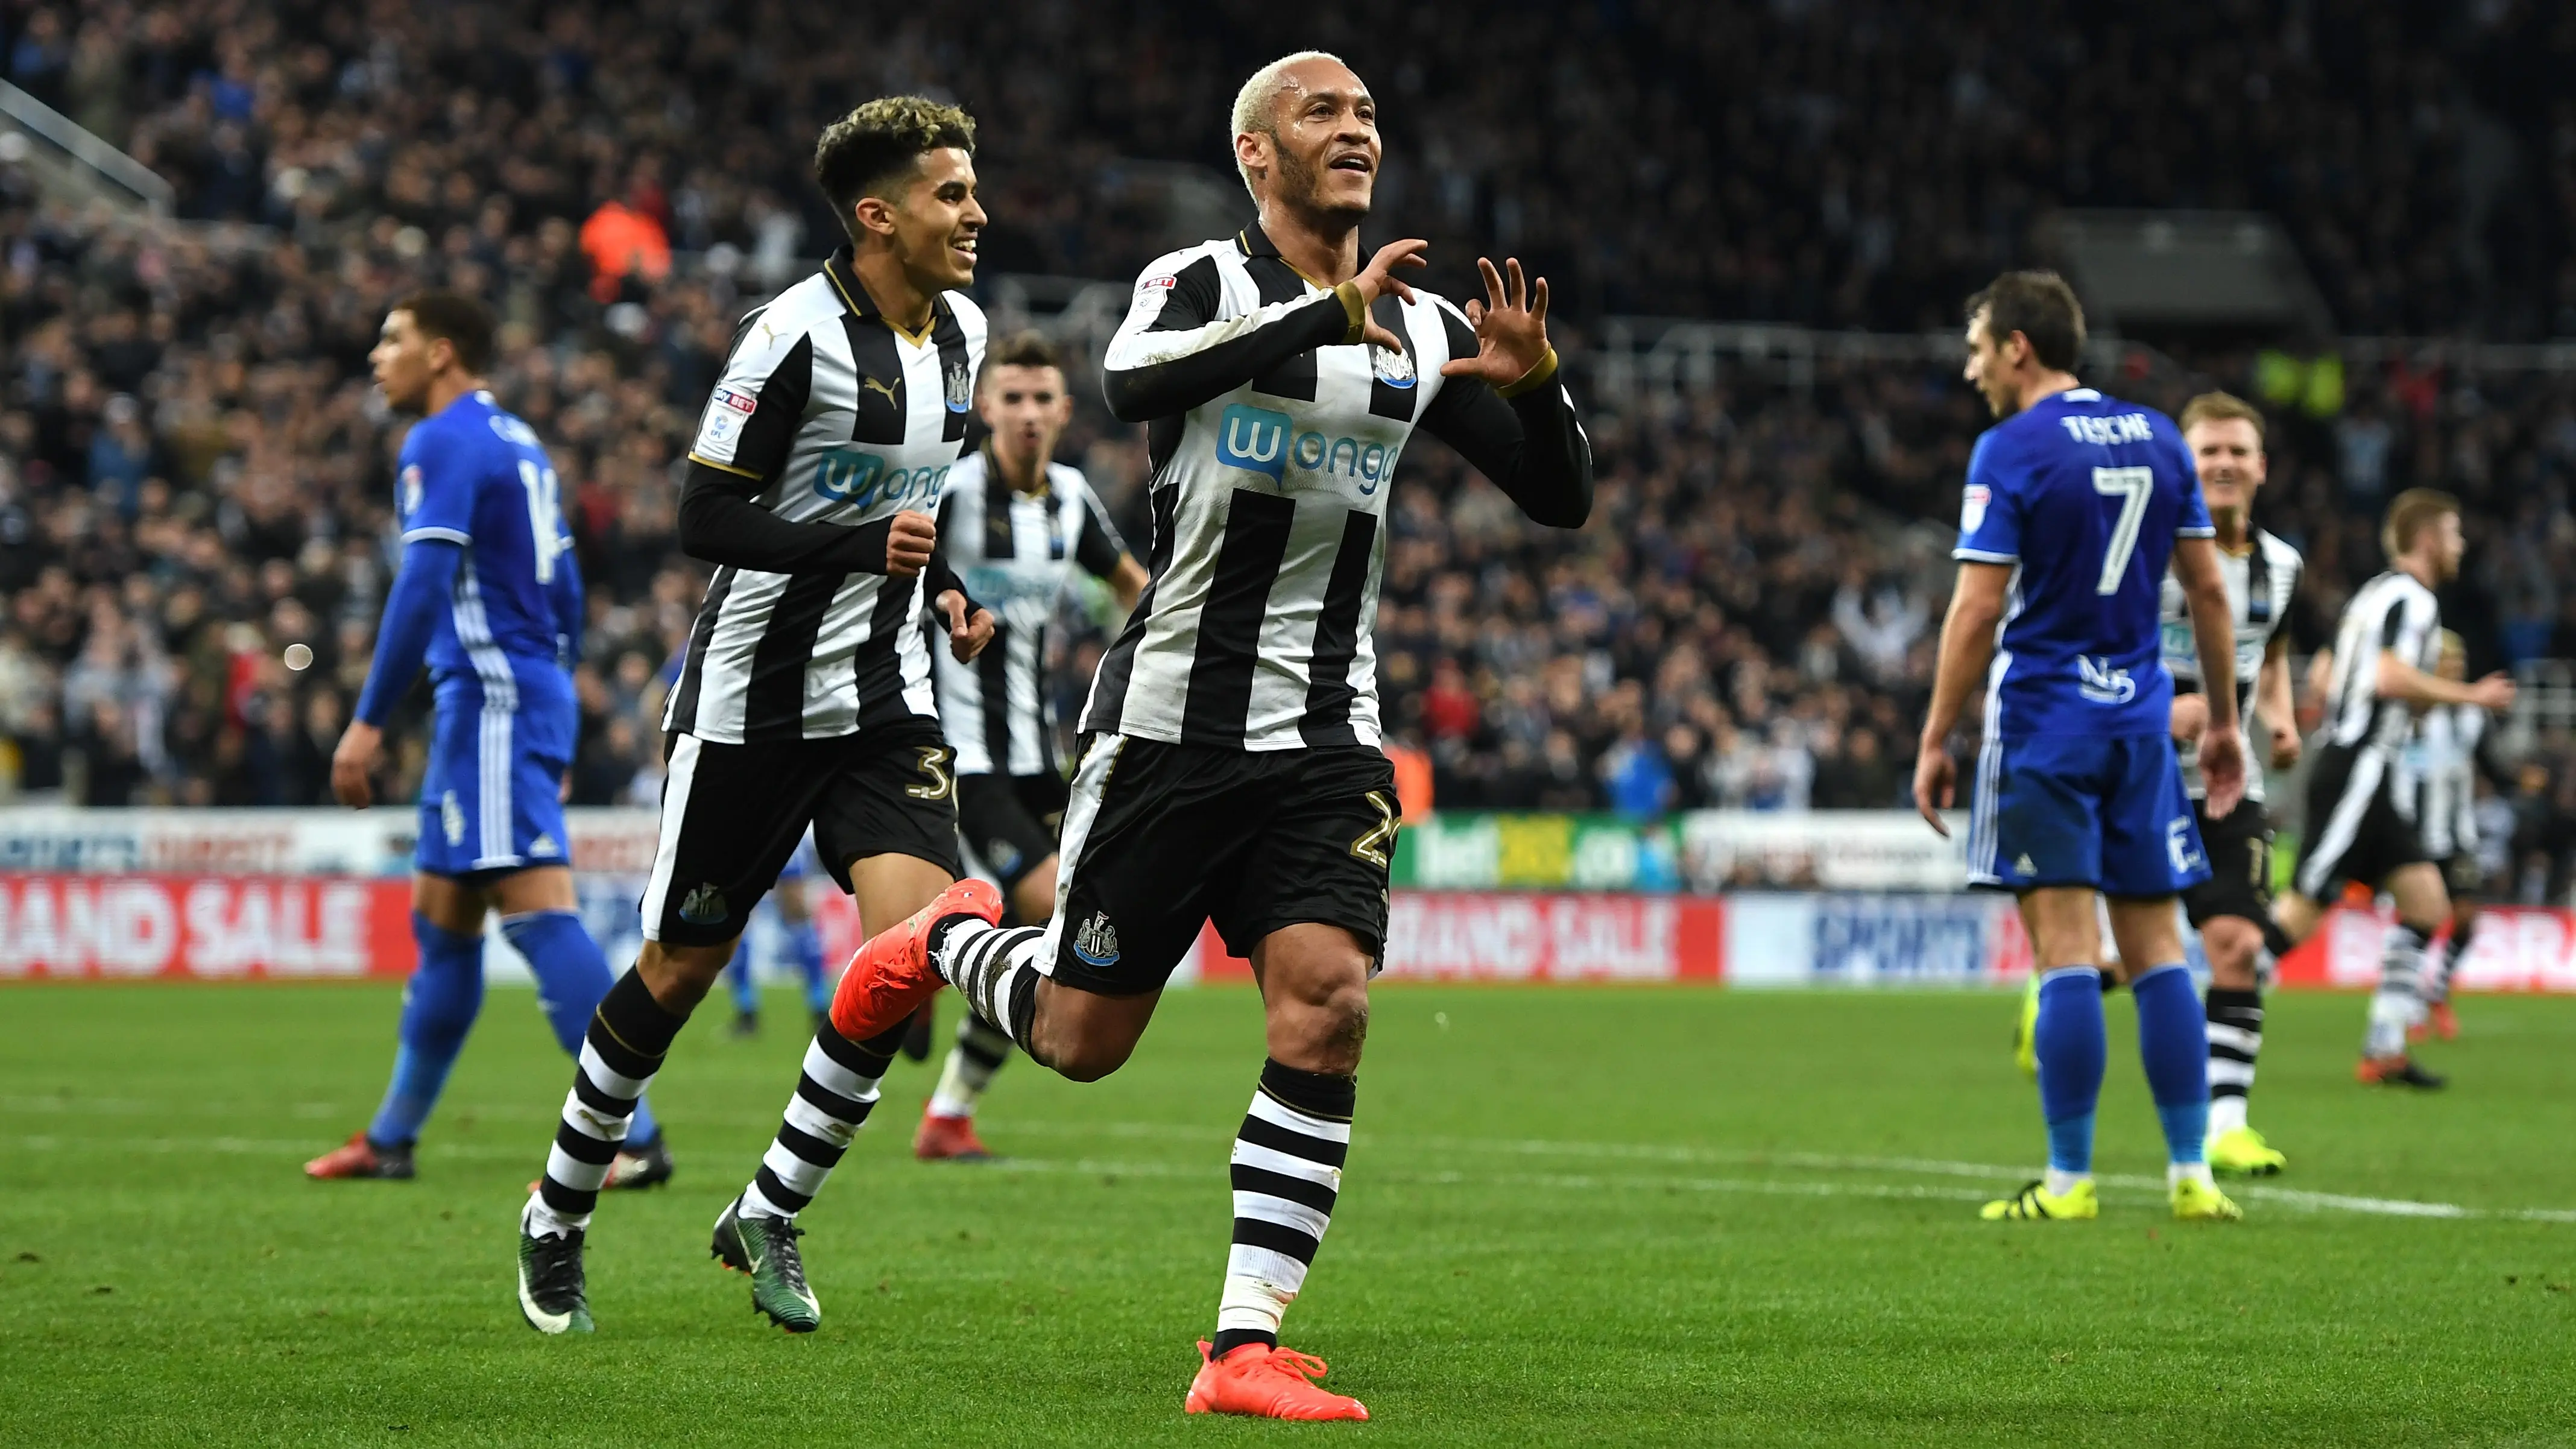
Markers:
point(211, 895)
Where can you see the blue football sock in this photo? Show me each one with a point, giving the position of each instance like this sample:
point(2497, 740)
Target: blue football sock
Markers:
point(572, 976)
point(746, 992)
point(2173, 1042)
point(2071, 1044)
point(439, 1006)
point(805, 943)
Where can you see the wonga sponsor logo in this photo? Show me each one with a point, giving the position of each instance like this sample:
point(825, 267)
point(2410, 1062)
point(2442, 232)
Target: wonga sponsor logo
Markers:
point(1258, 440)
point(1253, 439)
point(862, 480)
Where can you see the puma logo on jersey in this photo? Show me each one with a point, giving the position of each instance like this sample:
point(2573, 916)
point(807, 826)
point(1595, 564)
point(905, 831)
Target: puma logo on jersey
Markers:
point(884, 387)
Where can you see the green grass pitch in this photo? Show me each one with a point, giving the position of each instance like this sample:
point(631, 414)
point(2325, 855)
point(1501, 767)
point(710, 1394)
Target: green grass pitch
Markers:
point(1571, 1216)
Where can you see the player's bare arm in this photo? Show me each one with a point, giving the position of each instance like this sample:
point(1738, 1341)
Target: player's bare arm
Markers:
point(1967, 647)
point(2399, 680)
point(2222, 742)
point(2190, 717)
point(353, 762)
point(2280, 712)
point(1127, 585)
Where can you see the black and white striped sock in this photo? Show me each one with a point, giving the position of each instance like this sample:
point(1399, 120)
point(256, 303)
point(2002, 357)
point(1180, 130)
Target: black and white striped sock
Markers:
point(2398, 1003)
point(2235, 1039)
point(1287, 1170)
point(2462, 933)
point(623, 1048)
point(834, 1095)
point(980, 1051)
point(995, 968)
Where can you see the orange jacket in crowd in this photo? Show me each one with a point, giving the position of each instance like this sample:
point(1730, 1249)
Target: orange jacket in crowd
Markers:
point(621, 241)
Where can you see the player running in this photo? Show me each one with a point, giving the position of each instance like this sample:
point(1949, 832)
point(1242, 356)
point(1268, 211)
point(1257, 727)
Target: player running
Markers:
point(2362, 820)
point(489, 597)
point(2074, 504)
point(1017, 525)
point(2232, 907)
point(1233, 768)
point(2449, 756)
point(806, 697)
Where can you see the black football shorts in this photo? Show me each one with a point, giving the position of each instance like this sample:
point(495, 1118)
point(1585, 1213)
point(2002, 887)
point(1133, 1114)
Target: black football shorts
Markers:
point(732, 814)
point(1161, 838)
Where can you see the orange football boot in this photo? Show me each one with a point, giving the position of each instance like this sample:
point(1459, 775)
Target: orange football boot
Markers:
point(891, 975)
point(358, 1157)
point(1266, 1383)
point(948, 1139)
point(2396, 1071)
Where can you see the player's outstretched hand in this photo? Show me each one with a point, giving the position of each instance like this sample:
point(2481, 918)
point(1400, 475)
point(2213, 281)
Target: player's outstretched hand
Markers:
point(1511, 326)
point(908, 544)
point(2286, 744)
point(966, 636)
point(2222, 766)
point(353, 762)
point(1377, 279)
point(2496, 691)
point(1936, 784)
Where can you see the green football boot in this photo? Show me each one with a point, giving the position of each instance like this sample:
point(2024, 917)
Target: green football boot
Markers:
point(764, 1249)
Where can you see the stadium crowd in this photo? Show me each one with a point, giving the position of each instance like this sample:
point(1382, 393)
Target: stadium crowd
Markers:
point(194, 473)
point(1834, 162)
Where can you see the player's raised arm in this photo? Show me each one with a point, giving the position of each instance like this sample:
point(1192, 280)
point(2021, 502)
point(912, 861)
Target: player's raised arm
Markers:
point(1176, 350)
point(1502, 406)
point(742, 446)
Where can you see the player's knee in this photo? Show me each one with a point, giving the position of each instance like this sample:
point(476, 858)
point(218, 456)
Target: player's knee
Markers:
point(1334, 1022)
point(2232, 946)
point(1088, 1060)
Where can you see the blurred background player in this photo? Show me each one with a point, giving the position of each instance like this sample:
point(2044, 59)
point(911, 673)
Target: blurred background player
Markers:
point(1016, 525)
point(1234, 769)
point(2231, 908)
point(2450, 755)
point(2074, 504)
point(488, 595)
point(802, 937)
point(2363, 822)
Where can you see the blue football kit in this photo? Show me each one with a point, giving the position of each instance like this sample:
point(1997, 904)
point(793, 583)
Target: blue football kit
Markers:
point(497, 631)
point(2077, 783)
point(489, 598)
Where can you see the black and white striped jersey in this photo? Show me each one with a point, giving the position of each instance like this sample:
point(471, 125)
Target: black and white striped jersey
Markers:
point(1017, 553)
point(2391, 612)
point(831, 420)
point(2260, 583)
point(2442, 775)
point(1273, 434)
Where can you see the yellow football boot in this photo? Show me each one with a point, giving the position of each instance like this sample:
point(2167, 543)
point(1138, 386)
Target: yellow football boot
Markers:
point(2026, 1029)
point(2035, 1203)
point(2242, 1152)
point(2197, 1202)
